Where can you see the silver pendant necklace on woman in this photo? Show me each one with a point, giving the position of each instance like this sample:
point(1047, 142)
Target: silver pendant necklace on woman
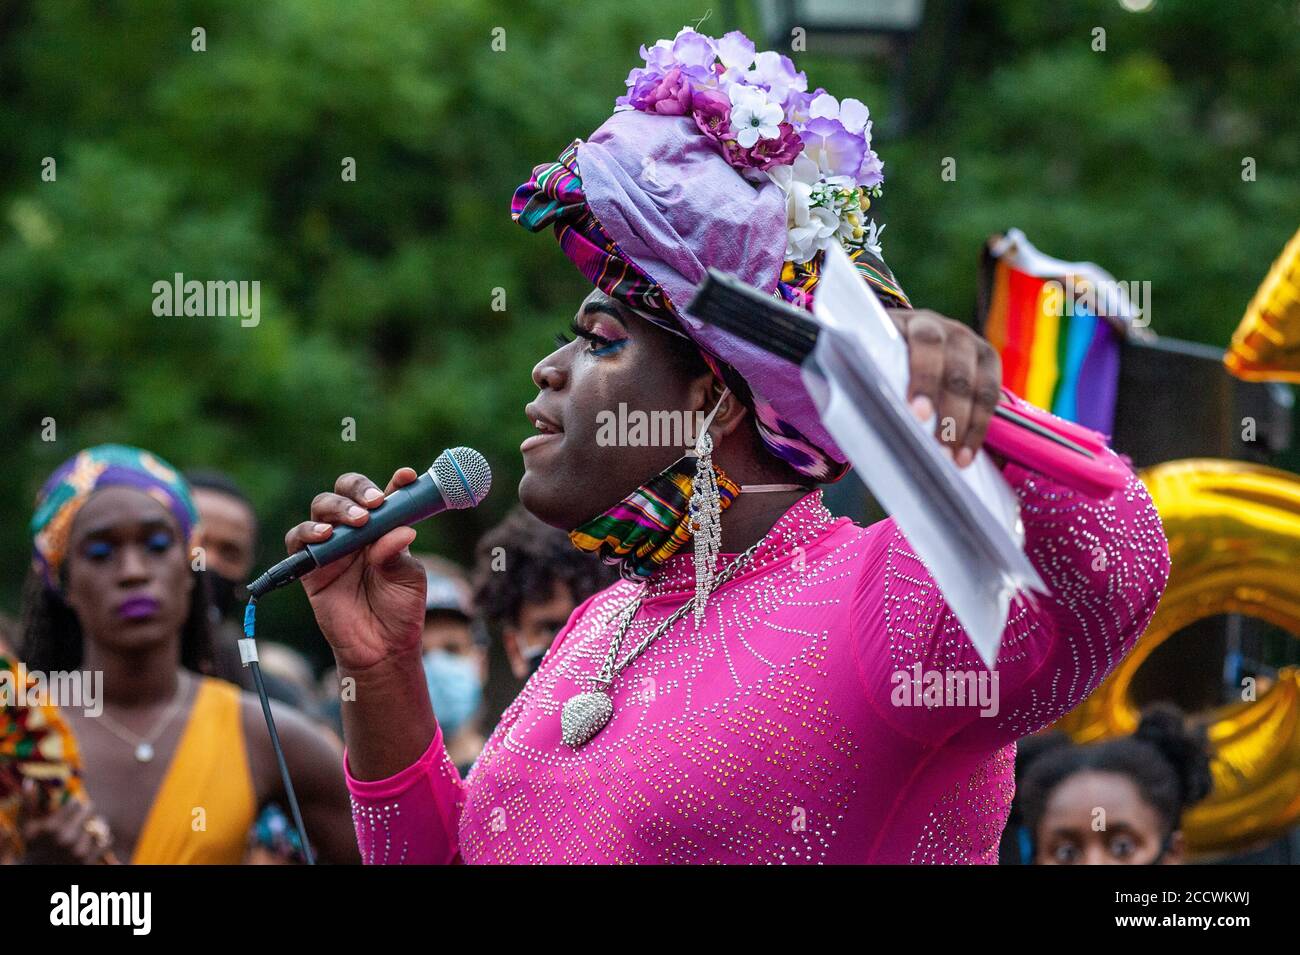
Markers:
point(144, 745)
point(585, 714)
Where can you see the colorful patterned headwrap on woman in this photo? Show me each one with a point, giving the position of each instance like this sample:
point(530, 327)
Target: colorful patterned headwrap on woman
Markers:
point(72, 483)
point(677, 181)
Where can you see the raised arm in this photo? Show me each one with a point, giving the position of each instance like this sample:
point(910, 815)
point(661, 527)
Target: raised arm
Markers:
point(1105, 563)
point(370, 607)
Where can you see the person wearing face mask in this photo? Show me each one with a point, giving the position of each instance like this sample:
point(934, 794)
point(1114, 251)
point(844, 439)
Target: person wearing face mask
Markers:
point(455, 662)
point(1119, 802)
point(528, 578)
point(228, 536)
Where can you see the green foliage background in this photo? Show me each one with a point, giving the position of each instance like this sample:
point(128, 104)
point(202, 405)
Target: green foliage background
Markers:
point(376, 294)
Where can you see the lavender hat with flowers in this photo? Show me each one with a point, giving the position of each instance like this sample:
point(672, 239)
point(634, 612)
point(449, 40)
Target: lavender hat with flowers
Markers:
point(719, 156)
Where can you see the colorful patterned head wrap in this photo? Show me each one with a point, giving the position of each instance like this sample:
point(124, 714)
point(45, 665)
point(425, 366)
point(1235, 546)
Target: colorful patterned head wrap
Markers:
point(72, 483)
point(645, 206)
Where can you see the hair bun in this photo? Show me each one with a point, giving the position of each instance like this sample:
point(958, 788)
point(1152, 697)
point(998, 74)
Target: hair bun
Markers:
point(1030, 749)
point(1183, 746)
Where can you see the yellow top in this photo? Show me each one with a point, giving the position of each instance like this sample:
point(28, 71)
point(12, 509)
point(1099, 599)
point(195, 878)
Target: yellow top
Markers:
point(206, 803)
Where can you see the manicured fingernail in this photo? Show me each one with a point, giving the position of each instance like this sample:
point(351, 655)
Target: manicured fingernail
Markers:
point(373, 494)
point(964, 457)
point(354, 511)
point(321, 528)
point(922, 408)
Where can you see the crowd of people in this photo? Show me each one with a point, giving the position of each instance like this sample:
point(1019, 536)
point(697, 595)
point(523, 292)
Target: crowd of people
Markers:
point(545, 707)
point(181, 732)
point(178, 766)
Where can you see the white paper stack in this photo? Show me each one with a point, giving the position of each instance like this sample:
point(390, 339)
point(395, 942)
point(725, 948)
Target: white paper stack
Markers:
point(963, 523)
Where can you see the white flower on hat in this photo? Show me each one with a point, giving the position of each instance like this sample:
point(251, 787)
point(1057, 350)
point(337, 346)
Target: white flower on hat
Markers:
point(809, 226)
point(872, 239)
point(753, 116)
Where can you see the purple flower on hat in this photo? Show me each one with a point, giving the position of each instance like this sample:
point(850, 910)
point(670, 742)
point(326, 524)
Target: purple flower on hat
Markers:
point(872, 171)
point(854, 116)
point(659, 58)
point(776, 72)
point(757, 109)
point(836, 151)
point(693, 51)
point(670, 96)
point(779, 150)
point(853, 113)
point(638, 83)
point(736, 51)
point(798, 107)
point(712, 112)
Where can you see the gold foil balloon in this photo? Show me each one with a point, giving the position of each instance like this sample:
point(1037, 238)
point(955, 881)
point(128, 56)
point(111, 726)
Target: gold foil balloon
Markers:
point(1266, 345)
point(1234, 543)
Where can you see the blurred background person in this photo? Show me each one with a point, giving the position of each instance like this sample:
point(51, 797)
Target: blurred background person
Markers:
point(1119, 802)
point(228, 536)
point(528, 578)
point(112, 592)
point(455, 659)
point(1015, 846)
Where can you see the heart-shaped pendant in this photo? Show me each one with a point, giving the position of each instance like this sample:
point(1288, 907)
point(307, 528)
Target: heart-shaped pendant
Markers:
point(583, 716)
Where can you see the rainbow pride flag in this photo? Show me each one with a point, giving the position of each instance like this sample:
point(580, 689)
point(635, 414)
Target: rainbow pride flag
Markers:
point(1059, 347)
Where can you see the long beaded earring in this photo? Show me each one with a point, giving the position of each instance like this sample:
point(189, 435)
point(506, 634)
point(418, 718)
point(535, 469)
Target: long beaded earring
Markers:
point(705, 509)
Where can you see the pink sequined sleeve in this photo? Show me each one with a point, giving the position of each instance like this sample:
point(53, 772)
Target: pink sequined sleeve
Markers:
point(409, 818)
point(1105, 563)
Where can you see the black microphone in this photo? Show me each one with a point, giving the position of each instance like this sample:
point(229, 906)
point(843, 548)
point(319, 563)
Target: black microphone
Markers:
point(459, 479)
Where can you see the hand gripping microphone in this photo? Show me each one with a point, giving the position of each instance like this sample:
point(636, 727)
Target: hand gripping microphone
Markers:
point(459, 479)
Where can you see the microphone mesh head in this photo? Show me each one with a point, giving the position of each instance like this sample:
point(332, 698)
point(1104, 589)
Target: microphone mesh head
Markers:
point(464, 476)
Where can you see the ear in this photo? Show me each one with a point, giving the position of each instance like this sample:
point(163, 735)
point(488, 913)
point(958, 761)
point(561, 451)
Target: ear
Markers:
point(510, 640)
point(706, 390)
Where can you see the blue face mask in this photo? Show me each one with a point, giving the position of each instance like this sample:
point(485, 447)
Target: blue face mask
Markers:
point(453, 688)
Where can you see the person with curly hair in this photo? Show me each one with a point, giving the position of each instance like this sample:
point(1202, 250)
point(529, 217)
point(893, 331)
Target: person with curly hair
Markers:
point(528, 578)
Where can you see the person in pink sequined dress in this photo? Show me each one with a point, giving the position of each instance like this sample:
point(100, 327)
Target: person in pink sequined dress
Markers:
point(799, 722)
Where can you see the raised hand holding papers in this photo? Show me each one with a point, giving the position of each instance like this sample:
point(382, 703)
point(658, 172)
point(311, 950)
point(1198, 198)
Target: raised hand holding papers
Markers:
point(964, 524)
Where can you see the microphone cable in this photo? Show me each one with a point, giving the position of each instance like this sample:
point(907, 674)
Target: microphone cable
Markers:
point(248, 655)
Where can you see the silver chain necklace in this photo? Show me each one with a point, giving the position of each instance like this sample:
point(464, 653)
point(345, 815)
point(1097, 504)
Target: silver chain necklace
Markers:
point(144, 744)
point(585, 714)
